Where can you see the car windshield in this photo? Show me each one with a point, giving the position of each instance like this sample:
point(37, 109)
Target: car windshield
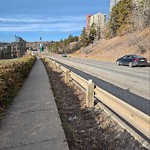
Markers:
point(135, 56)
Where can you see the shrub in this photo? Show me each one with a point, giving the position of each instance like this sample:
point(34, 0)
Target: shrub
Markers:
point(12, 75)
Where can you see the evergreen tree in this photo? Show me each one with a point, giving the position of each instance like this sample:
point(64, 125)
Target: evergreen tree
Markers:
point(84, 38)
point(92, 34)
point(70, 39)
point(120, 16)
point(62, 45)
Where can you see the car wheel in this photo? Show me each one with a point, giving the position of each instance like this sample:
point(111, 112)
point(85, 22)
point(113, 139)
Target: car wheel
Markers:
point(130, 64)
point(118, 63)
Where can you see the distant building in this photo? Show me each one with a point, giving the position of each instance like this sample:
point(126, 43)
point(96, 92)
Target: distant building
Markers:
point(113, 3)
point(99, 21)
point(88, 23)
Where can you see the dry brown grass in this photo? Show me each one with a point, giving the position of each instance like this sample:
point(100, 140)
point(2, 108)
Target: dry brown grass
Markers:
point(111, 49)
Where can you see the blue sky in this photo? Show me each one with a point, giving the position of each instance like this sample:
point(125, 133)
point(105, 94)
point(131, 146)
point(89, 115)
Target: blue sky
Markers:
point(50, 19)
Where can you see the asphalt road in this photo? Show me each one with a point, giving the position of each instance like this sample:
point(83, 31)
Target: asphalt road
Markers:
point(132, 85)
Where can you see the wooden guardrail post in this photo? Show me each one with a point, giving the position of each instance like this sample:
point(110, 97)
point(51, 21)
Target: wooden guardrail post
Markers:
point(51, 63)
point(90, 94)
point(58, 67)
point(54, 65)
point(67, 76)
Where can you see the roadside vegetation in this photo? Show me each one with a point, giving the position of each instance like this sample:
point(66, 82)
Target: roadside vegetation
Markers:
point(12, 75)
point(62, 46)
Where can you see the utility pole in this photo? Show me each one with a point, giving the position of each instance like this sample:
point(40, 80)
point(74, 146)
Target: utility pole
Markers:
point(41, 42)
point(41, 46)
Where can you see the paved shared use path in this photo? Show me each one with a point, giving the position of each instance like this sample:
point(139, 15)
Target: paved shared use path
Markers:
point(33, 122)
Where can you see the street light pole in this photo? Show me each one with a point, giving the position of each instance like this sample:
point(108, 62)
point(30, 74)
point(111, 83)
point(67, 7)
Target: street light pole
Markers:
point(40, 46)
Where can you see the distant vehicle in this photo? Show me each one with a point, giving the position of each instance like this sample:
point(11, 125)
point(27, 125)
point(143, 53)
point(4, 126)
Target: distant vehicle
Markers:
point(64, 55)
point(34, 53)
point(132, 60)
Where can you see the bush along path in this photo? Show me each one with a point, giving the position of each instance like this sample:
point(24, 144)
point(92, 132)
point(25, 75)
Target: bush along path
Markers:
point(12, 75)
point(86, 129)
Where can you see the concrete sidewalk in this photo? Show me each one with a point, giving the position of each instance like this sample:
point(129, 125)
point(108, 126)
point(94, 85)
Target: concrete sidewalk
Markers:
point(33, 122)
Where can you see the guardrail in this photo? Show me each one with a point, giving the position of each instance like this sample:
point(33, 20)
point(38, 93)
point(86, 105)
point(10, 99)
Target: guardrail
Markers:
point(136, 118)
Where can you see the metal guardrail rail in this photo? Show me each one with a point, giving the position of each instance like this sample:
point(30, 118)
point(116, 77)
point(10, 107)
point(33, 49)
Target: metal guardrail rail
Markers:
point(136, 118)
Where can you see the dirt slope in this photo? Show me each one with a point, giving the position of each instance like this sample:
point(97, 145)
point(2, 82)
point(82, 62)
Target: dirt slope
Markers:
point(111, 49)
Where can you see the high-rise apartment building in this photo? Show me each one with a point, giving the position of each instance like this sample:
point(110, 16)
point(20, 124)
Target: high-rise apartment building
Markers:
point(99, 21)
point(113, 3)
point(88, 23)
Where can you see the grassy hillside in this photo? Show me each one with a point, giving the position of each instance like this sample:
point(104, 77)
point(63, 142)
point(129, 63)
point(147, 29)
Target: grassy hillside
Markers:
point(111, 49)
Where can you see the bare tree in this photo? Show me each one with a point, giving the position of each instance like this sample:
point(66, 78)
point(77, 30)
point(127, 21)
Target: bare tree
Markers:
point(140, 14)
point(140, 20)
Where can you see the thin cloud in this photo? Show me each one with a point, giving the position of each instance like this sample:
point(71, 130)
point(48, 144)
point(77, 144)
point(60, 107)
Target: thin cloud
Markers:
point(46, 24)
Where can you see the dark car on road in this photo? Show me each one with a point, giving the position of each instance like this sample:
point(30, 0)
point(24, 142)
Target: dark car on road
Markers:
point(64, 55)
point(132, 60)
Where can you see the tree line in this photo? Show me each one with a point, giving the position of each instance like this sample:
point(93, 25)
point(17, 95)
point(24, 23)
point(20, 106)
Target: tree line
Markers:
point(73, 43)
